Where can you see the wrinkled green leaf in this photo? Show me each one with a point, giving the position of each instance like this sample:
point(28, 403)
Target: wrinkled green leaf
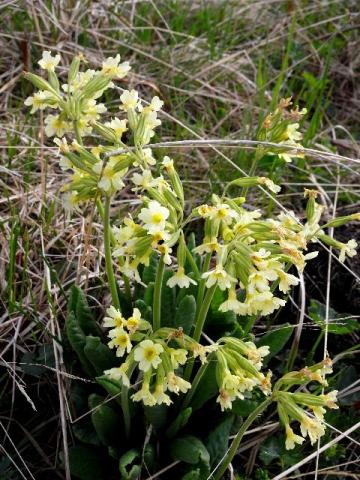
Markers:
point(168, 305)
point(106, 421)
point(79, 305)
point(189, 449)
point(217, 441)
point(276, 340)
point(157, 415)
point(86, 433)
point(98, 354)
point(339, 324)
point(207, 389)
point(245, 407)
point(113, 387)
point(179, 422)
point(77, 340)
point(185, 314)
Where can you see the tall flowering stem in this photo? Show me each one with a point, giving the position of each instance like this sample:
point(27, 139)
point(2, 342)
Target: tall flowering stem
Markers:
point(200, 325)
point(221, 469)
point(108, 259)
point(157, 294)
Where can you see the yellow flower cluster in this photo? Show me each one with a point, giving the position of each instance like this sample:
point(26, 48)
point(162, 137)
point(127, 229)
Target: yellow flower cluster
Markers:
point(291, 406)
point(158, 357)
point(238, 370)
point(282, 127)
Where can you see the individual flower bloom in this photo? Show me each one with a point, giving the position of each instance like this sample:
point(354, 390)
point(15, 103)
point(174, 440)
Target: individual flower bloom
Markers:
point(319, 412)
point(225, 400)
point(65, 163)
point(330, 399)
point(286, 281)
point(121, 340)
point(133, 323)
point(70, 201)
point(38, 101)
point(144, 180)
point(84, 125)
point(93, 110)
point(168, 164)
point(48, 62)
point(160, 396)
point(177, 384)
point(111, 67)
point(292, 132)
point(114, 318)
point(209, 245)
point(180, 279)
point(147, 353)
point(232, 304)
point(202, 352)
point(223, 212)
point(259, 280)
point(158, 239)
point(269, 184)
point(205, 210)
point(146, 158)
point(348, 249)
point(290, 153)
point(165, 251)
point(259, 257)
point(119, 373)
point(220, 277)
point(110, 179)
point(129, 100)
point(119, 126)
point(265, 383)
point(292, 438)
point(151, 122)
point(256, 354)
point(266, 303)
point(64, 147)
point(312, 427)
point(231, 383)
point(55, 125)
point(154, 216)
point(144, 395)
point(178, 356)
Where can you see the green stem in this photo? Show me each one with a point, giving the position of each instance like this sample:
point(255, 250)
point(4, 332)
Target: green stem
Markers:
point(125, 409)
point(77, 132)
point(258, 155)
point(157, 294)
point(203, 312)
point(221, 469)
point(201, 290)
point(195, 383)
point(108, 259)
point(200, 325)
point(192, 262)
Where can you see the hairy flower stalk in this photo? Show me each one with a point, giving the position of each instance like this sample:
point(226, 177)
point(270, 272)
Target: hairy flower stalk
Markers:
point(250, 261)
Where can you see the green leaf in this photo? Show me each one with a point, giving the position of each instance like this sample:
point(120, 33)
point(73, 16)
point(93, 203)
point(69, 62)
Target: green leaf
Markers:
point(157, 415)
point(128, 469)
point(179, 422)
point(192, 475)
point(207, 389)
point(243, 408)
point(189, 449)
point(276, 340)
point(77, 340)
point(86, 433)
point(79, 305)
point(87, 463)
point(149, 272)
point(145, 310)
point(339, 324)
point(106, 421)
point(98, 354)
point(270, 450)
point(217, 441)
point(149, 294)
point(113, 387)
point(185, 313)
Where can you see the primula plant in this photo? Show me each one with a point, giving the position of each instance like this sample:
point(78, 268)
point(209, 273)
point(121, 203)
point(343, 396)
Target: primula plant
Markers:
point(176, 342)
